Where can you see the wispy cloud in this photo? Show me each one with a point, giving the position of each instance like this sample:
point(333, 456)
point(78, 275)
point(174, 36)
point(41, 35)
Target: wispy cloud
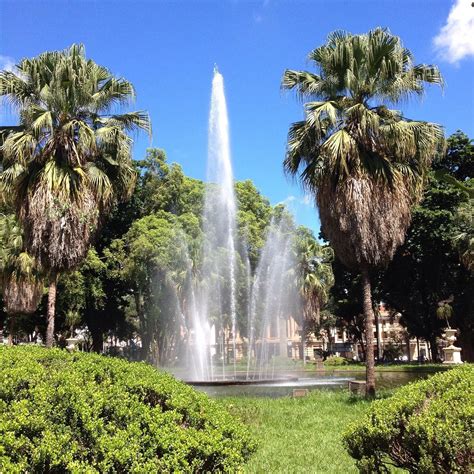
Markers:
point(292, 201)
point(455, 39)
point(7, 63)
point(258, 14)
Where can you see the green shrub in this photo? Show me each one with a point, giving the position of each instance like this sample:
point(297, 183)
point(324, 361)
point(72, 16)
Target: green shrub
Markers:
point(335, 360)
point(425, 427)
point(62, 412)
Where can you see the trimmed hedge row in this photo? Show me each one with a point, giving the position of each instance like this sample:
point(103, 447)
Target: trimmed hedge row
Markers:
point(425, 427)
point(62, 412)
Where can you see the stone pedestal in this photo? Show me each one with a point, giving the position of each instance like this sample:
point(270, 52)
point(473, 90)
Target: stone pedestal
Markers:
point(357, 387)
point(300, 392)
point(452, 354)
point(71, 344)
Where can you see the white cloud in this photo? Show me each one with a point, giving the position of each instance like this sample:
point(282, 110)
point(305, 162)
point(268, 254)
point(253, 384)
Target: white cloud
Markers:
point(455, 40)
point(293, 202)
point(6, 63)
point(308, 200)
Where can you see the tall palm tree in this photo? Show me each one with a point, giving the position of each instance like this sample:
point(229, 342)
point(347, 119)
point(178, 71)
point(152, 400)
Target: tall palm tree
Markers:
point(72, 158)
point(20, 281)
point(364, 161)
point(315, 279)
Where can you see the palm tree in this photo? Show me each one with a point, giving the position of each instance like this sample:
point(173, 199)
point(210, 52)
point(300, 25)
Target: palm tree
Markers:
point(20, 281)
point(364, 161)
point(315, 279)
point(72, 158)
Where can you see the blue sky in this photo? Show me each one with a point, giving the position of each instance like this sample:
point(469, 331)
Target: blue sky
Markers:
point(168, 50)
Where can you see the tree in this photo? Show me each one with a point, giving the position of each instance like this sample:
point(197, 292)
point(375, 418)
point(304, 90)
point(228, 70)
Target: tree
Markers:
point(72, 158)
point(432, 267)
point(364, 162)
point(253, 218)
point(314, 278)
point(153, 256)
point(20, 281)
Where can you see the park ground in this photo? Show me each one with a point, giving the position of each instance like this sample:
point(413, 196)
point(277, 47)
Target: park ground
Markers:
point(300, 435)
point(304, 435)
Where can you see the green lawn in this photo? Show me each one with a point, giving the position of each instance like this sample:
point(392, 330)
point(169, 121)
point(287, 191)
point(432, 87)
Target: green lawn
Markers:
point(360, 367)
point(299, 435)
point(289, 364)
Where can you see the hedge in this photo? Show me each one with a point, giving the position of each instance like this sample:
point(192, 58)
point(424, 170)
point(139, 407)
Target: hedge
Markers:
point(79, 412)
point(425, 427)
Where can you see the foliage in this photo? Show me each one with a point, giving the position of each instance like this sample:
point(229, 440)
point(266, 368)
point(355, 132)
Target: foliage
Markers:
point(154, 260)
point(314, 274)
point(164, 187)
point(459, 158)
point(424, 427)
point(79, 412)
point(426, 271)
point(70, 161)
point(364, 161)
point(72, 158)
point(335, 360)
point(253, 217)
point(391, 352)
point(345, 303)
point(464, 238)
point(20, 279)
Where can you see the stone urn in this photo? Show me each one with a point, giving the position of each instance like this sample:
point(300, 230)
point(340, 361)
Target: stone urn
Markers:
point(72, 344)
point(452, 354)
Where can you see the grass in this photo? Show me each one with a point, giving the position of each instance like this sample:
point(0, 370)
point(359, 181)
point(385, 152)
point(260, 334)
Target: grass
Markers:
point(288, 364)
point(299, 435)
point(360, 367)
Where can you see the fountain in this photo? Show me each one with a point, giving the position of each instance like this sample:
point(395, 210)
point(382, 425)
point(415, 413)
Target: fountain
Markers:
point(215, 302)
point(273, 298)
point(215, 308)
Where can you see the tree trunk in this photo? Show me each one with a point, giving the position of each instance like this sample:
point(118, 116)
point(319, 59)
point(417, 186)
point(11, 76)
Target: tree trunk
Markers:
point(53, 280)
point(434, 349)
point(369, 334)
point(283, 338)
point(379, 338)
point(97, 340)
point(303, 340)
point(11, 329)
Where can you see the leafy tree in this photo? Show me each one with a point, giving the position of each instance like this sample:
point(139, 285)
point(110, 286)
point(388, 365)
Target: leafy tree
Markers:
point(20, 281)
point(464, 239)
point(364, 162)
point(253, 217)
point(153, 255)
point(72, 158)
point(345, 303)
point(164, 187)
point(314, 278)
point(426, 271)
point(458, 161)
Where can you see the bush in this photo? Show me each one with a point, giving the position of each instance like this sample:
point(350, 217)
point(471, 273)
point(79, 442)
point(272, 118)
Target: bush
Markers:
point(62, 412)
point(425, 427)
point(335, 360)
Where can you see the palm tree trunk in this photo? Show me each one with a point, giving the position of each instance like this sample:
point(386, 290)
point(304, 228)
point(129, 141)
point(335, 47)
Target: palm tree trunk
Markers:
point(369, 333)
point(11, 329)
point(303, 339)
point(51, 310)
point(378, 335)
